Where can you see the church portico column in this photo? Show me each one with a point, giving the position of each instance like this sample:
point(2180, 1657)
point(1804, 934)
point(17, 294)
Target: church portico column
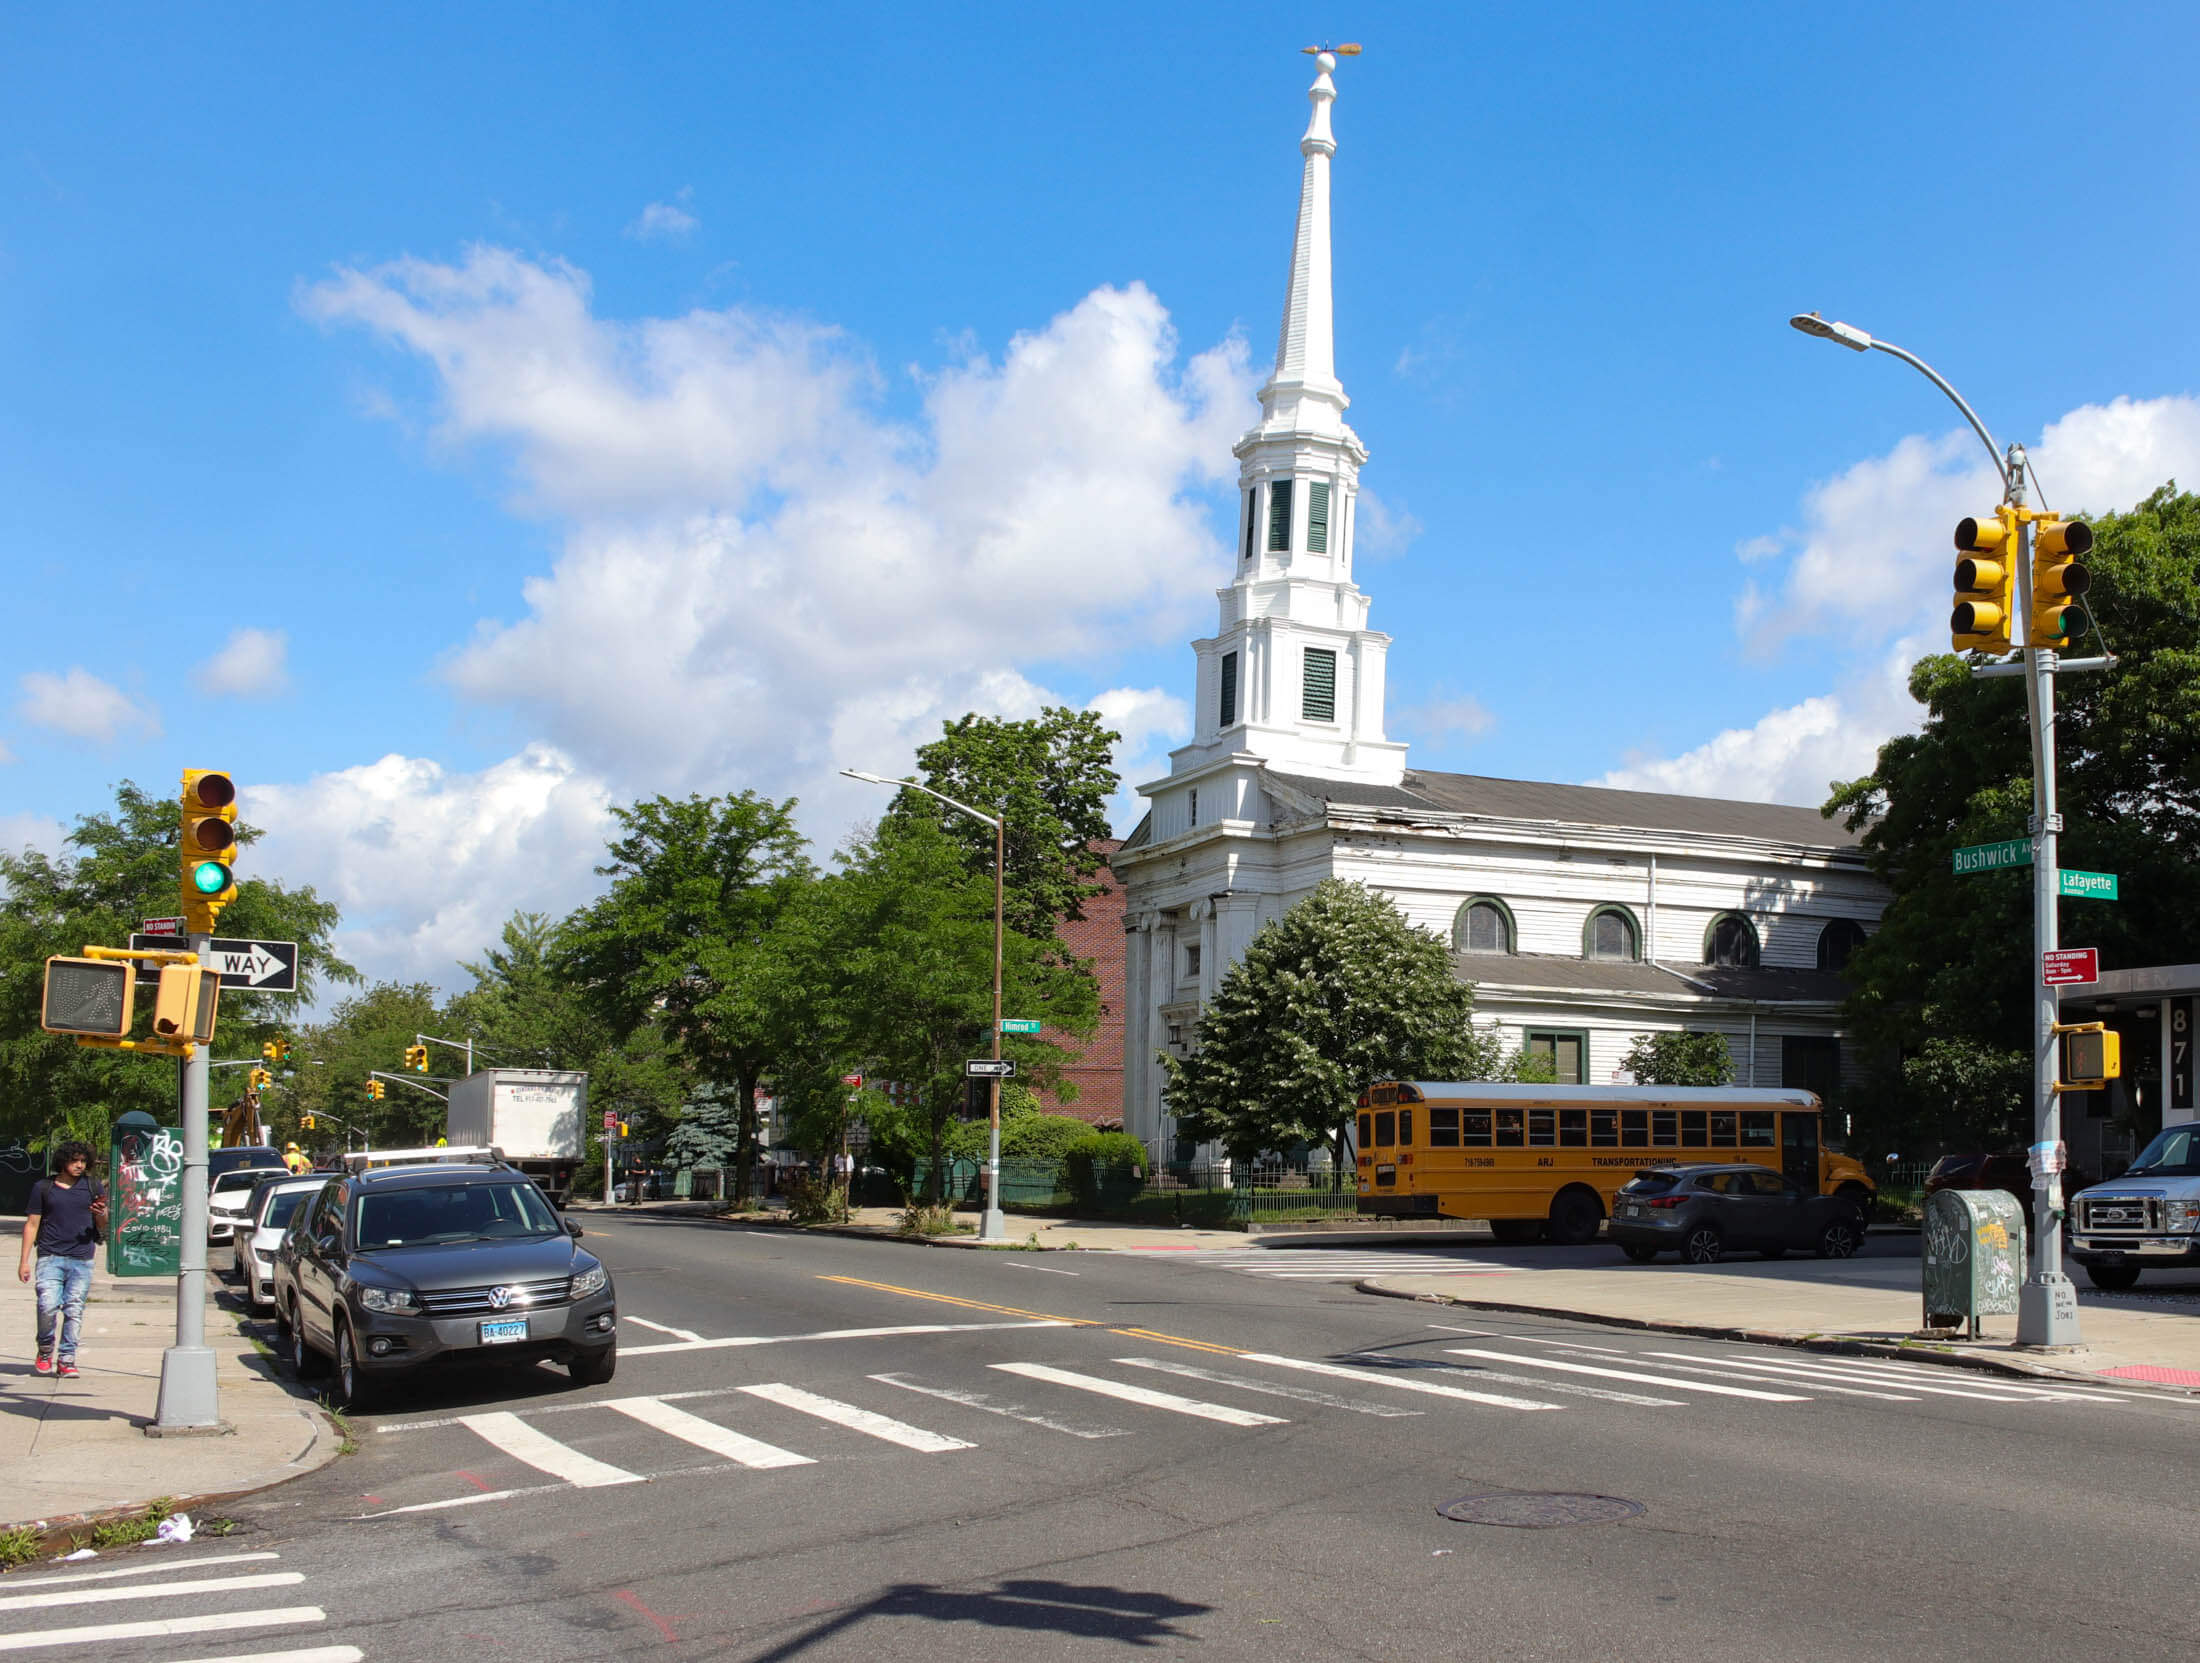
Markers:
point(1141, 1110)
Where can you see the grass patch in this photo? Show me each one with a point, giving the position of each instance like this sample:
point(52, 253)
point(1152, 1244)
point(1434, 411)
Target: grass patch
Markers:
point(18, 1547)
point(921, 1218)
point(346, 1443)
point(132, 1528)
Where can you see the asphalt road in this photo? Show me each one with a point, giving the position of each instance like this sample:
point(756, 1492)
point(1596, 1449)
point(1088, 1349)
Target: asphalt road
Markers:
point(819, 1448)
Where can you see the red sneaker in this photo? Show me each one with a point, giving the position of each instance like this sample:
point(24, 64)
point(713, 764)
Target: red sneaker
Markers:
point(44, 1365)
point(67, 1371)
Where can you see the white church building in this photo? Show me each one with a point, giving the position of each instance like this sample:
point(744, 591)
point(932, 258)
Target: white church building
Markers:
point(1582, 916)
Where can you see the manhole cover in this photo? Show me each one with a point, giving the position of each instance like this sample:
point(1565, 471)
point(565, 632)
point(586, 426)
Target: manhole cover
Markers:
point(1537, 1510)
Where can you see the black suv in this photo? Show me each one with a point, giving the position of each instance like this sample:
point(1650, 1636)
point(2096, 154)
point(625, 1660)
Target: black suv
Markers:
point(1701, 1211)
point(391, 1270)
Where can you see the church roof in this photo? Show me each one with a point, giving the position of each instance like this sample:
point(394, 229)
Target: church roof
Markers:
point(1478, 795)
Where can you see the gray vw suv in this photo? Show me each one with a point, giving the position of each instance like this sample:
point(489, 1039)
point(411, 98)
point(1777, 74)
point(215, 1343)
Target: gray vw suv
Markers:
point(390, 1271)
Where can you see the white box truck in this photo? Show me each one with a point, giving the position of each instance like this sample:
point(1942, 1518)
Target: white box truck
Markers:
point(534, 1115)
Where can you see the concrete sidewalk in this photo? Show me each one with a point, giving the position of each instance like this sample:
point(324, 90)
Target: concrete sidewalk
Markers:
point(69, 1448)
point(1873, 1306)
point(1024, 1232)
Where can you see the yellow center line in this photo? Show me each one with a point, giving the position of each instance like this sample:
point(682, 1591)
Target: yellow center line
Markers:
point(1036, 1316)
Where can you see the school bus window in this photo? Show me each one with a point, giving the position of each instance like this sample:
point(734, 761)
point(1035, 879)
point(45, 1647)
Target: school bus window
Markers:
point(1386, 1129)
point(1664, 1128)
point(1757, 1130)
point(1443, 1128)
point(1510, 1127)
point(1722, 1128)
point(1573, 1128)
point(1367, 1131)
point(1634, 1128)
point(1405, 1125)
point(1475, 1125)
point(1692, 1128)
point(1604, 1128)
point(1542, 1128)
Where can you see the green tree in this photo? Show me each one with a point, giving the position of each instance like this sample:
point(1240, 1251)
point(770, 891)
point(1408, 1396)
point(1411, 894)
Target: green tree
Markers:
point(331, 1061)
point(1679, 1060)
point(1049, 780)
point(686, 938)
point(912, 958)
point(1338, 993)
point(116, 870)
point(1952, 958)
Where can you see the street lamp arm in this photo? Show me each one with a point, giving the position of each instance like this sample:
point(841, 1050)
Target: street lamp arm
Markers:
point(912, 785)
point(1856, 340)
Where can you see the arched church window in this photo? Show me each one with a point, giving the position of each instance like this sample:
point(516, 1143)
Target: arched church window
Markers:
point(1611, 934)
point(1483, 926)
point(1837, 941)
point(1731, 941)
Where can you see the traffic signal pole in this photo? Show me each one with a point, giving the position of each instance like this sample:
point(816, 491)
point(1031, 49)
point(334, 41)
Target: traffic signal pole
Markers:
point(190, 1399)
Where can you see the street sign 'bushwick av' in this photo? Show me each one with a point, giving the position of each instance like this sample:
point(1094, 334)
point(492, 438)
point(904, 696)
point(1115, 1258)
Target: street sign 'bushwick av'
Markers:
point(1991, 857)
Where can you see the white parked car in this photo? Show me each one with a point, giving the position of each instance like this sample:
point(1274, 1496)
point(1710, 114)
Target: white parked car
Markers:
point(256, 1244)
point(229, 1198)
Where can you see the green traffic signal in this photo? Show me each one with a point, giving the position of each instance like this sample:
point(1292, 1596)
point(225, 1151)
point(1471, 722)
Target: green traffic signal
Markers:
point(209, 877)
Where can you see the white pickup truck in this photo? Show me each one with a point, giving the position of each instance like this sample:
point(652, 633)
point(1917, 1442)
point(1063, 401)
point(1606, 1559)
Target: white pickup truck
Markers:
point(2148, 1219)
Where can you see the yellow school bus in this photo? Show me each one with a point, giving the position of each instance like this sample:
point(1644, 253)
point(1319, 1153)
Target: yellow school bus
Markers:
point(1540, 1159)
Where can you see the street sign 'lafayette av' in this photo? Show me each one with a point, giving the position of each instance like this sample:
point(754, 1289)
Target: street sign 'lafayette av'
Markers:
point(252, 966)
point(990, 1068)
point(1992, 857)
point(2086, 886)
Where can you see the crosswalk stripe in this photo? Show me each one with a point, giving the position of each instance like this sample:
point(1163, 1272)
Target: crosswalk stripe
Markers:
point(1812, 1374)
point(740, 1341)
point(1628, 1374)
point(544, 1453)
point(857, 1420)
point(1884, 1368)
point(1010, 1411)
point(1142, 1395)
point(1564, 1388)
point(707, 1434)
point(148, 1568)
point(1267, 1388)
point(1495, 1400)
point(151, 1590)
point(1757, 1371)
point(211, 1623)
point(311, 1654)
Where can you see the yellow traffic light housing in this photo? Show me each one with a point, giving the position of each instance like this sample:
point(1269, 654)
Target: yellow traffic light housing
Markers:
point(185, 1004)
point(2058, 579)
point(2092, 1055)
point(1984, 578)
point(269, 1051)
point(209, 846)
point(282, 1051)
point(416, 1058)
point(88, 996)
point(374, 1090)
point(305, 1123)
point(261, 1079)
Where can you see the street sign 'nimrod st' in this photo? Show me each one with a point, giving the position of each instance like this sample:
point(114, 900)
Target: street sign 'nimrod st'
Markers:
point(1992, 857)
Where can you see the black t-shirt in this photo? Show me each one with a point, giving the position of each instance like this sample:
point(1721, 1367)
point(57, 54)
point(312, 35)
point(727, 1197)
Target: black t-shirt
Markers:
point(65, 1217)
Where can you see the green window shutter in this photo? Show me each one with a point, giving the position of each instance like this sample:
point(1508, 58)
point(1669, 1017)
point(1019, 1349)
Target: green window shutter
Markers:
point(1317, 519)
point(1279, 516)
point(1228, 713)
point(1252, 516)
point(1320, 693)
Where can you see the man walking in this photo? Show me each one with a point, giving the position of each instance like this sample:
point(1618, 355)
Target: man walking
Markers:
point(60, 1239)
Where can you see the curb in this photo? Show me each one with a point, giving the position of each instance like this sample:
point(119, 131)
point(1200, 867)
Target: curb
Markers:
point(1837, 1344)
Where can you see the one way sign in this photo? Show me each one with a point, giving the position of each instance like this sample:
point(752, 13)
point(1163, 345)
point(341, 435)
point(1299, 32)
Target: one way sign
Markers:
point(250, 966)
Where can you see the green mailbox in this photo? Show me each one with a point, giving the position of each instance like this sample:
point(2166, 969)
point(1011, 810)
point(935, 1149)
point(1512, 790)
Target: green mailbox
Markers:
point(145, 1206)
point(1974, 1256)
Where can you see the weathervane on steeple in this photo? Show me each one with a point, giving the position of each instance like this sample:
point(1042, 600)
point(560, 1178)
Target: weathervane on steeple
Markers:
point(1350, 49)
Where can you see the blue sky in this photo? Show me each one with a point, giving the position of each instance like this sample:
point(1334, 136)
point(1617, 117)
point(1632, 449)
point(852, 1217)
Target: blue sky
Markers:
point(581, 403)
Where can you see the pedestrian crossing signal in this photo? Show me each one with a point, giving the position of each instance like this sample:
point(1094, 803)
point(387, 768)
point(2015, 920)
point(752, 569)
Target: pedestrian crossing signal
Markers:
point(2092, 1055)
point(88, 996)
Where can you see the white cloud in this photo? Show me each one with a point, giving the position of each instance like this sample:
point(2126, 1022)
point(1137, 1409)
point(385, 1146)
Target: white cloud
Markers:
point(1460, 717)
point(665, 221)
point(761, 570)
point(30, 831)
point(82, 706)
point(6, 755)
point(1379, 530)
point(1151, 722)
point(427, 864)
point(252, 663)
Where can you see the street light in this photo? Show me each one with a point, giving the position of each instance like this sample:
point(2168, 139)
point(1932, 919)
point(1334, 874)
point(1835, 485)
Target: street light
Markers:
point(991, 1225)
point(2047, 1306)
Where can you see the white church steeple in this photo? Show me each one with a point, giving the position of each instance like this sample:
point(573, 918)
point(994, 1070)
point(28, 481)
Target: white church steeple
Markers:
point(1293, 677)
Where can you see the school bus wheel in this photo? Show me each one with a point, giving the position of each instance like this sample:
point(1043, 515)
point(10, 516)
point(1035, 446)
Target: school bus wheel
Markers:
point(1575, 1215)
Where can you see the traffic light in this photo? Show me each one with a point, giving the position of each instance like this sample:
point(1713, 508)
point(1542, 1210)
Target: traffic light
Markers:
point(209, 846)
point(1985, 576)
point(88, 996)
point(374, 1090)
point(2057, 579)
point(305, 1123)
point(282, 1052)
point(622, 1128)
point(416, 1058)
point(269, 1051)
point(184, 1005)
point(261, 1079)
point(2092, 1055)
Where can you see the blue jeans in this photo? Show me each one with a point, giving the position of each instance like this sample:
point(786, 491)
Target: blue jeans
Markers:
point(63, 1285)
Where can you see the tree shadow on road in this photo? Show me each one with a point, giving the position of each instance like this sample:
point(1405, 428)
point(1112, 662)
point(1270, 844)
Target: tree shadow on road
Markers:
point(1035, 1605)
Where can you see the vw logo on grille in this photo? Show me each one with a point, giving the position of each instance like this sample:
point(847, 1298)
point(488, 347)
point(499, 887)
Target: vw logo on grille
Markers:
point(499, 1298)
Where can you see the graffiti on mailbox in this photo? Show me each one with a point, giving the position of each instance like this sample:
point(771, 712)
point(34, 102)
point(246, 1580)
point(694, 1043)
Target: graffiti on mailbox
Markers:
point(146, 1235)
